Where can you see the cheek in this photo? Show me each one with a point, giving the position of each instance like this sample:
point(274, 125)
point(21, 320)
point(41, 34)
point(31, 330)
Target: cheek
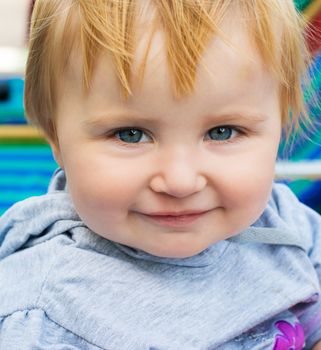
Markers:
point(102, 187)
point(248, 185)
point(101, 202)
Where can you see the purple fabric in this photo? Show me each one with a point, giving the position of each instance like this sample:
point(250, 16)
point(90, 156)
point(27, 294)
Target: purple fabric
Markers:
point(292, 337)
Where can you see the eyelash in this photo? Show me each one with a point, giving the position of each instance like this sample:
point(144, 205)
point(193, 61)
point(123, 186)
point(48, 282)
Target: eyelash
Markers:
point(241, 132)
point(112, 135)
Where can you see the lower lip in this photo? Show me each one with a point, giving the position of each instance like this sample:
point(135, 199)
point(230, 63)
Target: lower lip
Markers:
point(175, 221)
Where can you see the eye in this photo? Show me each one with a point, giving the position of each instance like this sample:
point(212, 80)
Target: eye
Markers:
point(131, 135)
point(222, 133)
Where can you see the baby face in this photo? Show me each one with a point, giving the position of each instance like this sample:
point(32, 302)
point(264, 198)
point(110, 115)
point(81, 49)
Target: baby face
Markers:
point(172, 176)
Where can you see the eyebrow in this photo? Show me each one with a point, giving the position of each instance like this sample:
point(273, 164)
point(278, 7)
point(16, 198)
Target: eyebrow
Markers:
point(234, 117)
point(115, 118)
point(129, 118)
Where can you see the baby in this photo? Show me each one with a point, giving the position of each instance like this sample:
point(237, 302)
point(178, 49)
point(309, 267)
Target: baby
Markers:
point(163, 228)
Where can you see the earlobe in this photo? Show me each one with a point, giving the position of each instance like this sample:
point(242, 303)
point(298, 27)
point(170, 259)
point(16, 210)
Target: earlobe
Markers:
point(56, 153)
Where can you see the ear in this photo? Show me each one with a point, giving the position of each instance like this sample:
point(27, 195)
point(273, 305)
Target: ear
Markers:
point(56, 153)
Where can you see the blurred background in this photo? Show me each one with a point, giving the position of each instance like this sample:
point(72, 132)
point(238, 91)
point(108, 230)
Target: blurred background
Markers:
point(26, 163)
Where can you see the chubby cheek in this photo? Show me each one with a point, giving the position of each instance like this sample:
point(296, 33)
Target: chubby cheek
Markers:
point(102, 193)
point(246, 190)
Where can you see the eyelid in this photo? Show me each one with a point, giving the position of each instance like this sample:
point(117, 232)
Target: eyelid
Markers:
point(241, 132)
point(112, 135)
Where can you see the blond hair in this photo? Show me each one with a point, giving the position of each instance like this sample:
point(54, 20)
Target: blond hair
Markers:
point(58, 26)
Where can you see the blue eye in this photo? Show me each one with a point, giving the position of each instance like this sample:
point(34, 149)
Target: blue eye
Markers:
point(221, 133)
point(130, 135)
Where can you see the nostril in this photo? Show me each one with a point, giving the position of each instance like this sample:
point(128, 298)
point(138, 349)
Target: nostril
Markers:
point(4, 91)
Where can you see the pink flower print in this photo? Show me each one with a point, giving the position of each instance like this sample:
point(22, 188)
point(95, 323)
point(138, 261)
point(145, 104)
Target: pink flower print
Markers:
point(292, 337)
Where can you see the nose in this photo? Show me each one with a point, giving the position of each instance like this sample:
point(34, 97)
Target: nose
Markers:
point(179, 175)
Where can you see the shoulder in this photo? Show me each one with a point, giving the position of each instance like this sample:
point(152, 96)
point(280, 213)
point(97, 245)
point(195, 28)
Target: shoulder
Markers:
point(286, 213)
point(38, 294)
point(32, 233)
point(289, 208)
point(23, 274)
point(23, 329)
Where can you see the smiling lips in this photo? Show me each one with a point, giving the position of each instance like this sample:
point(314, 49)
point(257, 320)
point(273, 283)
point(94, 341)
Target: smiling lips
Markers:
point(177, 219)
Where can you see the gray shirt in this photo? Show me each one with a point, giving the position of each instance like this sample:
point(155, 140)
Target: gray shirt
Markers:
point(64, 287)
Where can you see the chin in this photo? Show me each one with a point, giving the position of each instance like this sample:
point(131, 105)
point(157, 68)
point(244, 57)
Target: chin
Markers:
point(177, 253)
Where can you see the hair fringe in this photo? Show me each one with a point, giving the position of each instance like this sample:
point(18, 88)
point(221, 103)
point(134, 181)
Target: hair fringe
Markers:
point(109, 26)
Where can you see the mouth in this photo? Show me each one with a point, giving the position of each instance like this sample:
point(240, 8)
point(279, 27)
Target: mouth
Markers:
point(176, 219)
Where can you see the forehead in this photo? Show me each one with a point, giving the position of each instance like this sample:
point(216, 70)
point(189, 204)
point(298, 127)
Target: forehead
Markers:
point(231, 55)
